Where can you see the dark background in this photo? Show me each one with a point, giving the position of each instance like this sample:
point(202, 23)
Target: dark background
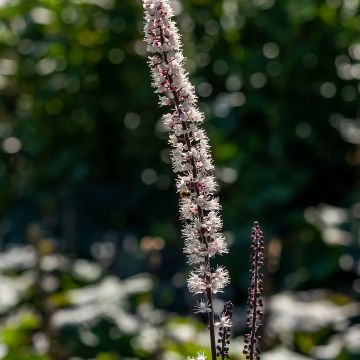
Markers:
point(84, 158)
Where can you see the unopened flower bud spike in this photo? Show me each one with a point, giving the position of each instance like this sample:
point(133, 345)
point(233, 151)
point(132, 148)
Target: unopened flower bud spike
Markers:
point(254, 303)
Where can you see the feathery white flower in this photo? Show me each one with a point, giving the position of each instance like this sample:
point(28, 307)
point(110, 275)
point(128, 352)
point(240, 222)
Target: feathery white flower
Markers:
point(200, 356)
point(197, 284)
point(219, 279)
point(202, 307)
point(224, 321)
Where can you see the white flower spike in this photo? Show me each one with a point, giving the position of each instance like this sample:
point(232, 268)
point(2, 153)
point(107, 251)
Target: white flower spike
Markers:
point(191, 158)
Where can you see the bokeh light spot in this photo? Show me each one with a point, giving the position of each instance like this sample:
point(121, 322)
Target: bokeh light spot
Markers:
point(46, 66)
point(42, 15)
point(264, 4)
point(132, 120)
point(348, 93)
point(227, 175)
point(258, 80)
point(334, 3)
point(346, 262)
point(212, 27)
point(271, 50)
point(69, 15)
point(25, 46)
point(140, 48)
point(233, 83)
point(274, 68)
point(303, 130)
point(8, 67)
point(204, 89)
point(116, 56)
point(11, 145)
point(356, 285)
point(310, 61)
point(149, 176)
point(177, 7)
point(328, 90)
point(237, 99)
point(354, 51)
point(220, 67)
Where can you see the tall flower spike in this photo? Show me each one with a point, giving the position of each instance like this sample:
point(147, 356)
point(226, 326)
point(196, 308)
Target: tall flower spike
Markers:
point(224, 331)
point(191, 158)
point(254, 303)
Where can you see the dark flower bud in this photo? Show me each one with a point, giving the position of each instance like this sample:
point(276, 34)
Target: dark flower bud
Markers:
point(224, 331)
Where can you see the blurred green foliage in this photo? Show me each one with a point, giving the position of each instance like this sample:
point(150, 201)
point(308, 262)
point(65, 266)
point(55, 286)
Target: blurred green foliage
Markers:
point(83, 152)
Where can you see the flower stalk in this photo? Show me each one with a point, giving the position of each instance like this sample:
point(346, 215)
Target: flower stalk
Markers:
point(254, 303)
point(191, 159)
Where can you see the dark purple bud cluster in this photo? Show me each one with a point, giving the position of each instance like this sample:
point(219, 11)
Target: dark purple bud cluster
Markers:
point(254, 303)
point(224, 331)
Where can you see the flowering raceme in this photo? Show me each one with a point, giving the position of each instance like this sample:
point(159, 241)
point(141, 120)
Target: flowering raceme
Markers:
point(191, 158)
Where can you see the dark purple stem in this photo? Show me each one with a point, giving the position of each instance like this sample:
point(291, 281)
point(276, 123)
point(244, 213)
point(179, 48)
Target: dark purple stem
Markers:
point(255, 315)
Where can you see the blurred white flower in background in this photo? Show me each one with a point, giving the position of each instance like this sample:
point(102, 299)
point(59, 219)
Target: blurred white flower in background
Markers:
point(148, 339)
point(86, 270)
point(17, 258)
point(352, 338)
point(328, 219)
point(12, 289)
point(282, 353)
point(107, 299)
point(289, 313)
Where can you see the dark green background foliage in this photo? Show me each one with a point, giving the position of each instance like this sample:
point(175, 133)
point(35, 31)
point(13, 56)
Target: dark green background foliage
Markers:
point(84, 154)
